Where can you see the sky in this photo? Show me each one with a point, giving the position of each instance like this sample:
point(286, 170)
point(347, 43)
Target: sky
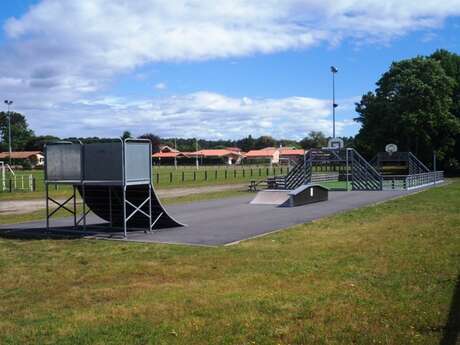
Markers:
point(204, 68)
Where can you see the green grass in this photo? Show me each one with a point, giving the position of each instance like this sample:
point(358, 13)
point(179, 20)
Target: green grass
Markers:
point(378, 275)
point(163, 177)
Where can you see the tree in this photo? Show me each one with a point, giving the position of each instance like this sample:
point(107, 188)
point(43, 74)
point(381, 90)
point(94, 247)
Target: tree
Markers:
point(154, 139)
point(411, 107)
point(246, 144)
point(20, 131)
point(450, 62)
point(37, 143)
point(264, 141)
point(126, 135)
point(315, 139)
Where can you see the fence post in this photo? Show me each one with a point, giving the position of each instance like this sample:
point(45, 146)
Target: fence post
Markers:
point(244, 174)
point(158, 178)
point(194, 176)
point(170, 177)
point(251, 172)
point(267, 173)
point(234, 173)
point(225, 173)
point(215, 175)
point(183, 176)
point(11, 185)
point(34, 184)
point(205, 175)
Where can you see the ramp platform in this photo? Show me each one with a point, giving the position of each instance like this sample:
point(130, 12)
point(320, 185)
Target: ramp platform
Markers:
point(271, 197)
point(114, 179)
point(308, 194)
point(305, 194)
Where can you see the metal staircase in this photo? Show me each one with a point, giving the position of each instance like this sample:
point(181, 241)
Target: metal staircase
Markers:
point(416, 166)
point(363, 175)
point(347, 162)
point(299, 175)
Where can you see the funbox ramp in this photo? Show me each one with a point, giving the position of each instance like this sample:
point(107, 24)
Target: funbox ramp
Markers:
point(101, 198)
point(302, 195)
point(271, 197)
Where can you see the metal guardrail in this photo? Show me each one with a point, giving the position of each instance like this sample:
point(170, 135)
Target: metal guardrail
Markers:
point(400, 182)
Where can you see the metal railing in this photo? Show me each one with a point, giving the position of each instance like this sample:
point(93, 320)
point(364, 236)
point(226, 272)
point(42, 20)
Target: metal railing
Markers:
point(400, 182)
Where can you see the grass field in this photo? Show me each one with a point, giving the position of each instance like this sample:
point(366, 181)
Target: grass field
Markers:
point(384, 274)
point(163, 177)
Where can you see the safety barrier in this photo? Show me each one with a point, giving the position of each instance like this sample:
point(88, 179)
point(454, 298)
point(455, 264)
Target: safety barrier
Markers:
point(407, 182)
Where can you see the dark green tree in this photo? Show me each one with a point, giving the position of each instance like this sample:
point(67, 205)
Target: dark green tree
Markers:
point(450, 62)
point(264, 141)
point(315, 139)
point(20, 131)
point(411, 107)
point(154, 139)
point(37, 143)
point(126, 135)
point(246, 144)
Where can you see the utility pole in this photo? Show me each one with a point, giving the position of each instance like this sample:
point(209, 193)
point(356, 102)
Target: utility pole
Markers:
point(8, 103)
point(334, 70)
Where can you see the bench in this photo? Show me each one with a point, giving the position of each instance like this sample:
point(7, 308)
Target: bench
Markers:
point(254, 184)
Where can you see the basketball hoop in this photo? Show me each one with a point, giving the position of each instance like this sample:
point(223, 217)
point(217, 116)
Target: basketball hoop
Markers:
point(391, 148)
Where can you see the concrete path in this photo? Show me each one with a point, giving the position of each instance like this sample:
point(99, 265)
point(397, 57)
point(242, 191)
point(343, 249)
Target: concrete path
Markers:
point(217, 222)
point(27, 206)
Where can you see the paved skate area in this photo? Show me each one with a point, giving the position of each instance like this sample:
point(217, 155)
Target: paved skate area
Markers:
point(211, 223)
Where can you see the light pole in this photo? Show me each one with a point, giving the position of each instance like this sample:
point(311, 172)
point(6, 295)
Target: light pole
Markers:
point(334, 70)
point(8, 103)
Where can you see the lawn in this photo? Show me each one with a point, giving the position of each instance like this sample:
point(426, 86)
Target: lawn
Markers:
point(383, 274)
point(162, 177)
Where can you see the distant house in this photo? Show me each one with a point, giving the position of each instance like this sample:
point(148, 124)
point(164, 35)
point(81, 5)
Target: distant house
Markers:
point(234, 149)
point(274, 155)
point(289, 153)
point(35, 158)
point(268, 154)
point(218, 156)
point(167, 155)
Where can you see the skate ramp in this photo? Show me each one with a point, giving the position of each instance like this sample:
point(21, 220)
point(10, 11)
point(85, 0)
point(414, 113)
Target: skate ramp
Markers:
point(100, 198)
point(271, 197)
point(308, 194)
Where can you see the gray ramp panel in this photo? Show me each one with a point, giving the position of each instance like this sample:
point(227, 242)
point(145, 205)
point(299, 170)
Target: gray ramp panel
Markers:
point(271, 197)
point(99, 198)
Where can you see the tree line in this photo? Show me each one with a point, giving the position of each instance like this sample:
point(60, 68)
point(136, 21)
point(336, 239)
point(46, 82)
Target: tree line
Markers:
point(416, 105)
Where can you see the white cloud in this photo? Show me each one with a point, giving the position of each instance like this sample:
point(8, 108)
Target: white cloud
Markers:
point(62, 51)
point(203, 114)
point(96, 39)
point(160, 86)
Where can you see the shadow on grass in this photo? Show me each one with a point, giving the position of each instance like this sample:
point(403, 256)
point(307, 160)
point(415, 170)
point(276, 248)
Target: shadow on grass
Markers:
point(61, 233)
point(452, 328)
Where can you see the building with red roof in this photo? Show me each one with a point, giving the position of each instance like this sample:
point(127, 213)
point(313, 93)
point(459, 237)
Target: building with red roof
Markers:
point(274, 155)
point(35, 158)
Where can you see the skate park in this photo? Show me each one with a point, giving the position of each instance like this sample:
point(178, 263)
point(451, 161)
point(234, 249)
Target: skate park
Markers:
point(113, 178)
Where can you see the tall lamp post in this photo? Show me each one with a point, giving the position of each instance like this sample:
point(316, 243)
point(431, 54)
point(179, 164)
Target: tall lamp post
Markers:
point(8, 103)
point(334, 70)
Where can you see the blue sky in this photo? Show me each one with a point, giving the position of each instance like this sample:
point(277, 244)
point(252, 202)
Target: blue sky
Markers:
point(188, 68)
